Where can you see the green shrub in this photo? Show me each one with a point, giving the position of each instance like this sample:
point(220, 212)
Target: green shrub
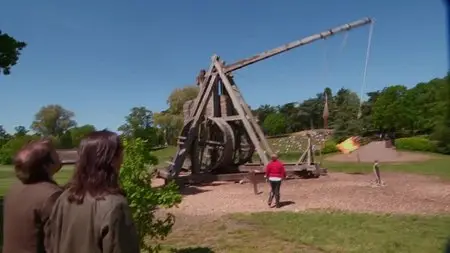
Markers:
point(143, 199)
point(9, 150)
point(330, 147)
point(442, 137)
point(415, 144)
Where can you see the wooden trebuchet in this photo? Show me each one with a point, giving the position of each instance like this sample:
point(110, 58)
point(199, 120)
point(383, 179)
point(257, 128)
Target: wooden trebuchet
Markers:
point(220, 132)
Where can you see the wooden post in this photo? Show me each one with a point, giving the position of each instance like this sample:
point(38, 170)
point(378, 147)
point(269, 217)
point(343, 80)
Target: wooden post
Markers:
point(237, 105)
point(376, 171)
point(254, 182)
point(199, 107)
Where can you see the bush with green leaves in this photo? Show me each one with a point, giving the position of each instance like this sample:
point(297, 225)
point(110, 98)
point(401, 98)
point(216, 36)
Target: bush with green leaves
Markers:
point(330, 147)
point(143, 199)
point(415, 144)
point(274, 124)
point(9, 150)
point(442, 137)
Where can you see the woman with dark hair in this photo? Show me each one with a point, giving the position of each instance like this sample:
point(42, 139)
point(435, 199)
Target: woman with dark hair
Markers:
point(92, 214)
point(29, 202)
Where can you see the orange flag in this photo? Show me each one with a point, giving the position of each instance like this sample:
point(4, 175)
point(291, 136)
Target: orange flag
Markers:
point(349, 145)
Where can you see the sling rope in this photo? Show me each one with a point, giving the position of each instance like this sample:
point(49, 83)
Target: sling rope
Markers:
point(326, 57)
point(363, 85)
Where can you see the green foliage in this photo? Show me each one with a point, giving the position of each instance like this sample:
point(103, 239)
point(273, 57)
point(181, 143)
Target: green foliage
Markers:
point(442, 137)
point(10, 50)
point(139, 124)
point(78, 133)
point(143, 199)
point(416, 144)
point(20, 131)
point(4, 136)
point(170, 126)
point(389, 109)
point(275, 124)
point(10, 148)
point(179, 96)
point(53, 120)
point(330, 147)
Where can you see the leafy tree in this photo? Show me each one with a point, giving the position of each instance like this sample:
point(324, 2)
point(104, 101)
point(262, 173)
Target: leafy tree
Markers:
point(275, 124)
point(20, 131)
point(4, 136)
point(53, 120)
point(263, 111)
point(139, 124)
point(63, 141)
point(170, 126)
point(9, 149)
point(143, 199)
point(308, 114)
point(346, 122)
point(179, 96)
point(442, 132)
point(78, 133)
point(290, 112)
point(10, 50)
point(389, 110)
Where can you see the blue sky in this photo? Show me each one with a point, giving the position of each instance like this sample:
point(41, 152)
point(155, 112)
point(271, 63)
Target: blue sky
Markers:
point(100, 58)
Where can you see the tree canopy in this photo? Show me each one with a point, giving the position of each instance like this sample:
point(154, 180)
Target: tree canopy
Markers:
point(10, 50)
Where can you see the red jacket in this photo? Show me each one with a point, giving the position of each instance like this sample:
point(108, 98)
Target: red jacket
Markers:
point(275, 169)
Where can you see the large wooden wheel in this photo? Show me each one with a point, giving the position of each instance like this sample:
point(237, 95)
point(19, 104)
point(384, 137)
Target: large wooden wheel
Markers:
point(213, 147)
point(243, 146)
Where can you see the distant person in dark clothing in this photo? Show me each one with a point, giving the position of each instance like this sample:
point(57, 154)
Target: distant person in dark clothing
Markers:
point(29, 202)
point(275, 173)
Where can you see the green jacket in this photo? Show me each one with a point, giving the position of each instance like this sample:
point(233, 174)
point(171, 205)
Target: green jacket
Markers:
point(95, 226)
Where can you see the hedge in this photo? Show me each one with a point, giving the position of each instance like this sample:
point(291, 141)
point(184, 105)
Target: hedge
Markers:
point(417, 143)
point(330, 147)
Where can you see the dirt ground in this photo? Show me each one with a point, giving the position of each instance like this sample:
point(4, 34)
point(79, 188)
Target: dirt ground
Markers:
point(402, 193)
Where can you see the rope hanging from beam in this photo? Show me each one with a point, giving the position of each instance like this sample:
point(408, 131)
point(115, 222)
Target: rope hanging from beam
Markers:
point(363, 85)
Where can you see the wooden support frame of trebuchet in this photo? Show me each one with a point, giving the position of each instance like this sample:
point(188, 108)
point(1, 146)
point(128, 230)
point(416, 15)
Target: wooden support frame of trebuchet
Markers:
point(220, 134)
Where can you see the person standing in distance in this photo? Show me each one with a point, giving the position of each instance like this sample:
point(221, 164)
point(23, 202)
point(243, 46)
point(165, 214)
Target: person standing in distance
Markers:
point(275, 173)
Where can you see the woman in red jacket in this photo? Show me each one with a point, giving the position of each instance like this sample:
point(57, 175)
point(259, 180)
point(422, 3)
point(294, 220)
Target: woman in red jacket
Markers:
point(275, 172)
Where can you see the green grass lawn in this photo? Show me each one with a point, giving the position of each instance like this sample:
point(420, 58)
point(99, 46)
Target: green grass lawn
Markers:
point(314, 232)
point(7, 176)
point(438, 166)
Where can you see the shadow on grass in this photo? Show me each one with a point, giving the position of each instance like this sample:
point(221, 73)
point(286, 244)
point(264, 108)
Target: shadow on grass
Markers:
point(356, 173)
point(193, 250)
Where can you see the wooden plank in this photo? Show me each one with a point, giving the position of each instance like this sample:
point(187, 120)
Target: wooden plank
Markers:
point(232, 118)
point(240, 110)
point(253, 122)
point(202, 90)
point(286, 47)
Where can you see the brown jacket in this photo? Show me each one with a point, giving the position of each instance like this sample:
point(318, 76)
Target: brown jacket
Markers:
point(26, 210)
point(95, 226)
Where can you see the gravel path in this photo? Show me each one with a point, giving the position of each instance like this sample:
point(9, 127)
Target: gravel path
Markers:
point(403, 193)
